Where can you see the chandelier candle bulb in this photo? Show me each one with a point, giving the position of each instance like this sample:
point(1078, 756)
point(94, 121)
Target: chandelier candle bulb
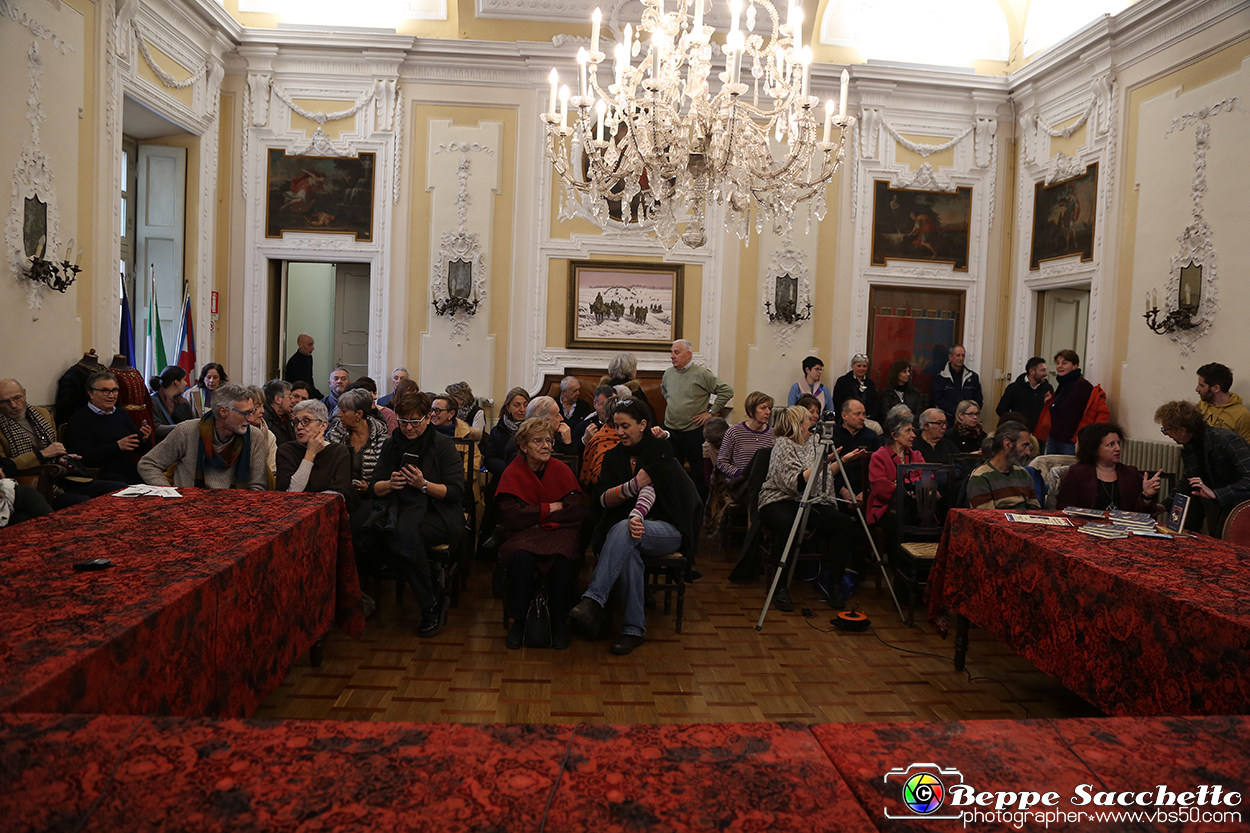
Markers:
point(735, 9)
point(807, 69)
point(554, 78)
point(698, 17)
point(622, 59)
point(582, 58)
point(601, 107)
point(828, 120)
point(657, 46)
point(796, 27)
point(595, 20)
point(846, 82)
point(564, 106)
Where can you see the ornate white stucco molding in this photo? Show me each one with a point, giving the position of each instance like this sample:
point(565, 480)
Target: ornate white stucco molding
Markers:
point(1197, 243)
point(460, 245)
point(790, 262)
point(32, 180)
point(40, 32)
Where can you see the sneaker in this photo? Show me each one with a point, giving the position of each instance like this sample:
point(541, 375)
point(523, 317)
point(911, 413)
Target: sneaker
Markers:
point(559, 636)
point(589, 614)
point(516, 635)
point(625, 643)
point(782, 600)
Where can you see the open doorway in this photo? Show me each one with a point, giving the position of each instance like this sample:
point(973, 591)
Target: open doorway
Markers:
point(330, 302)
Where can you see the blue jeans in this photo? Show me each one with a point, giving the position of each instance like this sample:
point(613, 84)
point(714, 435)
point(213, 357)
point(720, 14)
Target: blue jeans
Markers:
point(1054, 447)
point(621, 559)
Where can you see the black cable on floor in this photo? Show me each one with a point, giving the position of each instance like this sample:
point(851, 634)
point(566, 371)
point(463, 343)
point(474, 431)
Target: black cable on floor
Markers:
point(542, 826)
point(121, 756)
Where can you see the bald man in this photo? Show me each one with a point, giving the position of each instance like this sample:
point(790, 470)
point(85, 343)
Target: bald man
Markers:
point(693, 395)
point(299, 368)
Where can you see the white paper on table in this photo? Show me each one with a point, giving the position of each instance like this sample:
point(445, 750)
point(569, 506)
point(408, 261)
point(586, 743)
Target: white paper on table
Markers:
point(143, 490)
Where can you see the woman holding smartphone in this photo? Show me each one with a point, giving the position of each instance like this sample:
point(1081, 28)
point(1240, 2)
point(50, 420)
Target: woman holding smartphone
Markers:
point(420, 478)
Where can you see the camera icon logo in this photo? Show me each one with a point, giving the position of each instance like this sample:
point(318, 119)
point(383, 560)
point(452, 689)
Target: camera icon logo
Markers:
point(923, 789)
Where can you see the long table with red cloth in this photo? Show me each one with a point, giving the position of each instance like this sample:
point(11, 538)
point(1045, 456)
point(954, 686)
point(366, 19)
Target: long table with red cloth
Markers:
point(211, 597)
point(123, 773)
point(1135, 625)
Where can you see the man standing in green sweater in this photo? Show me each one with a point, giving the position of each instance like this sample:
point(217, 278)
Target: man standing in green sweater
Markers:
point(694, 395)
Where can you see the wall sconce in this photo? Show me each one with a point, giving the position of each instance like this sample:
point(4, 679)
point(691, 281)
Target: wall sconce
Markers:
point(787, 312)
point(1185, 316)
point(462, 293)
point(55, 275)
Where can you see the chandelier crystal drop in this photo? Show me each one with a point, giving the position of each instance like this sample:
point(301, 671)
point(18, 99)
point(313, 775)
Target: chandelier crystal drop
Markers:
point(660, 145)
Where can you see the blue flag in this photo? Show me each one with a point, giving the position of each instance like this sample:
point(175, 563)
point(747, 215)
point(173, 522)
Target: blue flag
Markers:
point(126, 344)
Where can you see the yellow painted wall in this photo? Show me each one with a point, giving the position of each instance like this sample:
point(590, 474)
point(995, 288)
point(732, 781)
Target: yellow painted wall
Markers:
point(502, 236)
point(1129, 325)
point(1071, 145)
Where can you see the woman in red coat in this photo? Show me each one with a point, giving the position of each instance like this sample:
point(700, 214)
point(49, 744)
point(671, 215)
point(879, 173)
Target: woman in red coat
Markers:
point(1098, 480)
point(540, 509)
point(883, 466)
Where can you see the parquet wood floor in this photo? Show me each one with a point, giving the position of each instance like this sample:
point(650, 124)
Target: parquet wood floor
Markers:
point(719, 669)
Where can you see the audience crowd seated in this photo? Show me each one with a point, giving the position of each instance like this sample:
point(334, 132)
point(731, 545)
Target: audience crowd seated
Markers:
point(540, 511)
point(1098, 480)
point(813, 369)
point(401, 478)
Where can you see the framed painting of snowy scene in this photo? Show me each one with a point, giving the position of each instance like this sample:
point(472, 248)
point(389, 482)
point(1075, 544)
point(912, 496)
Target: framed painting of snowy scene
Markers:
point(624, 306)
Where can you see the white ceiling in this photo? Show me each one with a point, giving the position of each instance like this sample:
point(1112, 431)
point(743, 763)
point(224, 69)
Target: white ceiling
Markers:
point(143, 124)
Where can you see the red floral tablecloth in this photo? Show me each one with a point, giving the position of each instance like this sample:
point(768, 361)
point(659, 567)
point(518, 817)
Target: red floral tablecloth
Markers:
point(212, 597)
point(1134, 625)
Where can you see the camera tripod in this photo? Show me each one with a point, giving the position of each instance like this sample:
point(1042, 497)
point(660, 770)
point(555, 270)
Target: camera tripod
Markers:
point(799, 528)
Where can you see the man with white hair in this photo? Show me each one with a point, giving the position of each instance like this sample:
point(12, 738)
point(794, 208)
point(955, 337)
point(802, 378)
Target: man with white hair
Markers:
point(398, 375)
point(572, 407)
point(220, 451)
point(688, 388)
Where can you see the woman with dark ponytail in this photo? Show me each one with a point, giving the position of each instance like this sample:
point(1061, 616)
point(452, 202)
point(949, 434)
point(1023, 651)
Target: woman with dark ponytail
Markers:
point(168, 406)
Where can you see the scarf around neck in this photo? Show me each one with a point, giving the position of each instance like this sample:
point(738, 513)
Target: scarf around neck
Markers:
point(520, 480)
point(20, 440)
point(237, 455)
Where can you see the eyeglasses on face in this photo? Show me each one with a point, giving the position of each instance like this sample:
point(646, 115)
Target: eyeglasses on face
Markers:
point(441, 410)
point(108, 391)
point(305, 422)
point(412, 423)
point(542, 441)
point(249, 412)
point(14, 400)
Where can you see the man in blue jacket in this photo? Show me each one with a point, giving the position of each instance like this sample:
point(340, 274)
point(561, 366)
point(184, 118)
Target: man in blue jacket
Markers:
point(955, 384)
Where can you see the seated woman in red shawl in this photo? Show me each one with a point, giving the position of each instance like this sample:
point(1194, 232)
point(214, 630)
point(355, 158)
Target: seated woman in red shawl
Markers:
point(540, 509)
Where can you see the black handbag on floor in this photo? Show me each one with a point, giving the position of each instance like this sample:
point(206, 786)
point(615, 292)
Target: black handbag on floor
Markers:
point(538, 622)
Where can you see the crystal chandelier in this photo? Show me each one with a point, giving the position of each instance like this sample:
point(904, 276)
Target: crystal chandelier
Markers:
point(659, 144)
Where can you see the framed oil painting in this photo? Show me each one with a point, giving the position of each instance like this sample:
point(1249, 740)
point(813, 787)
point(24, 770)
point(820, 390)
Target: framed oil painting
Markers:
point(929, 226)
point(320, 194)
point(1063, 218)
point(916, 325)
point(624, 306)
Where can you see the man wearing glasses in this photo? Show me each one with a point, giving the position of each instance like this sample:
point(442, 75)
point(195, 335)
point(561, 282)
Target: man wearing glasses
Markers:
point(104, 436)
point(932, 443)
point(29, 440)
point(221, 451)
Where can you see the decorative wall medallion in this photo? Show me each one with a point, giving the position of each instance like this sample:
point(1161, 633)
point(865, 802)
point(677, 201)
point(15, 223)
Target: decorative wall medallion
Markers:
point(458, 282)
point(787, 296)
